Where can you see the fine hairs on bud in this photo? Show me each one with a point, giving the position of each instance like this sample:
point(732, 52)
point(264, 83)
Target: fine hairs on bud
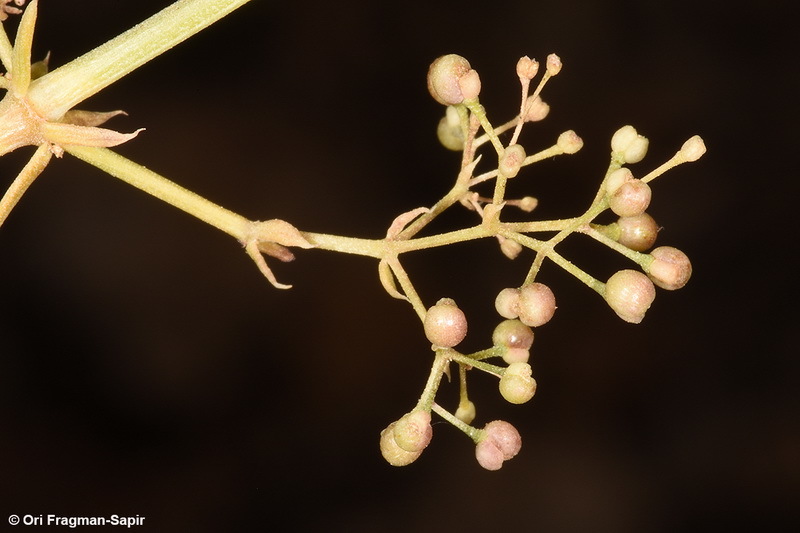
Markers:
point(500, 442)
point(511, 161)
point(451, 80)
point(630, 293)
point(445, 324)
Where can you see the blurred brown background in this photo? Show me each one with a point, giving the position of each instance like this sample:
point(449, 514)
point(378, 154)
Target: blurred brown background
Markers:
point(146, 367)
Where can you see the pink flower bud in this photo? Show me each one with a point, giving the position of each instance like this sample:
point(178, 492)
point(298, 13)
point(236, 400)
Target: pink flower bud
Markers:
point(511, 161)
point(671, 268)
point(553, 64)
point(638, 232)
point(631, 198)
point(445, 324)
point(630, 293)
point(527, 68)
point(450, 81)
point(535, 109)
point(501, 441)
point(537, 303)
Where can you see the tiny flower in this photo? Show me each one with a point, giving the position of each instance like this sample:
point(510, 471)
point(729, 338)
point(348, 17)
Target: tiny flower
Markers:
point(569, 142)
point(671, 268)
point(451, 80)
point(509, 247)
point(537, 303)
point(500, 442)
point(392, 452)
point(507, 303)
point(630, 293)
point(693, 149)
point(638, 232)
point(631, 146)
point(511, 161)
point(535, 109)
point(527, 203)
point(413, 432)
point(631, 198)
point(527, 68)
point(466, 412)
point(445, 324)
point(516, 385)
point(449, 130)
point(553, 64)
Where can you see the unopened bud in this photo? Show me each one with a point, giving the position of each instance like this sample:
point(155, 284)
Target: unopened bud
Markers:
point(537, 304)
point(553, 64)
point(517, 386)
point(445, 324)
point(445, 80)
point(527, 68)
point(630, 293)
point(501, 442)
point(511, 161)
point(671, 268)
point(569, 142)
point(694, 148)
point(535, 109)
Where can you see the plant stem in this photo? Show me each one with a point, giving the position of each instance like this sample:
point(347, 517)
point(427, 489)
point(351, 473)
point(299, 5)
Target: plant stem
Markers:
point(163, 189)
point(58, 91)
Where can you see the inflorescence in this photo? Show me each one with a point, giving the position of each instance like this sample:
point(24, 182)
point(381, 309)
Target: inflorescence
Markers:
point(629, 292)
point(36, 110)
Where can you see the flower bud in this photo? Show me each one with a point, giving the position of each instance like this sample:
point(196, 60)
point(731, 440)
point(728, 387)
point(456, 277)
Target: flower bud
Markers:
point(413, 432)
point(671, 268)
point(553, 64)
point(507, 303)
point(466, 412)
point(618, 178)
point(517, 386)
point(501, 441)
point(630, 293)
point(527, 68)
point(527, 203)
point(445, 324)
point(511, 161)
point(450, 81)
point(449, 130)
point(569, 142)
point(535, 109)
point(512, 334)
point(693, 149)
point(638, 232)
point(631, 198)
point(537, 303)
point(509, 247)
point(629, 144)
point(392, 452)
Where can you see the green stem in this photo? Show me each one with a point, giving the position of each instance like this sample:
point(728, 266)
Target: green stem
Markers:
point(60, 90)
point(164, 189)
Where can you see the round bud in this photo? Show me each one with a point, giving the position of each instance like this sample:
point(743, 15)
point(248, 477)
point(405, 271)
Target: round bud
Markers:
point(445, 324)
point(553, 64)
point(511, 161)
point(630, 293)
point(537, 303)
point(392, 452)
point(517, 386)
point(501, 441)
point(507, 303)
point(510, 248)
point(413, 432)
point(671, 268)
point(623, 138)
point(617, 178)
point(466, 412)
point(535, 109)
point(569, 142)
point(527, 203)
point(638, 232)
point(512, 334)
point(449, 130)
point(636, 151)
point(631, 198)
point(444, 79)
point(527, 68)
point(693, 149)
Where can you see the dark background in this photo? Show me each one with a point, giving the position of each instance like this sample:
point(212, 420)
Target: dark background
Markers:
point(148, 369)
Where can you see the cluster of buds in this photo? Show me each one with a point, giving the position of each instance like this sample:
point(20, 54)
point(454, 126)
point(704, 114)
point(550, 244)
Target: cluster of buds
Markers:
point(523, 308)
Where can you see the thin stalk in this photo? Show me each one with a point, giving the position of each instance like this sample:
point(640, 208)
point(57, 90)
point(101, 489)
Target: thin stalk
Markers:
point(58, 91)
